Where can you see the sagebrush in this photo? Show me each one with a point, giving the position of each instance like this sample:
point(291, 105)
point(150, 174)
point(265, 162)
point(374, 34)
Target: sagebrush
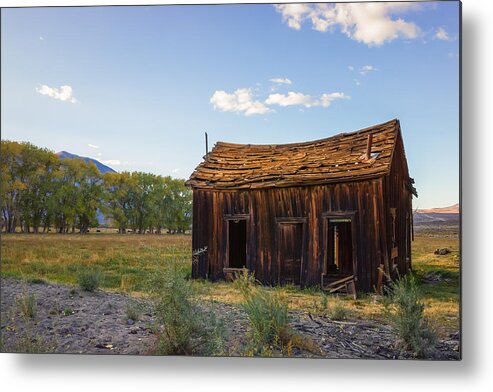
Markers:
point(28, 305)
point(406, 311)
point(89, 279)
point(267, 311)
point(185, 327)
point(338, 311)
point(133, 310)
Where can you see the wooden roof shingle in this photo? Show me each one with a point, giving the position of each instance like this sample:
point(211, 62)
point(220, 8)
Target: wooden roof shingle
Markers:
point(334, 159)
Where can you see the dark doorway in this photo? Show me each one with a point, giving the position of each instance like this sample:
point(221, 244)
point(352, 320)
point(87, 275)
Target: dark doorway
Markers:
point(237, 243)
point(339, 260)
point(290, 252)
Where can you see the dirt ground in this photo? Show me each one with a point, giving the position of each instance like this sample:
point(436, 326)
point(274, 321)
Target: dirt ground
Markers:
point(69, 320)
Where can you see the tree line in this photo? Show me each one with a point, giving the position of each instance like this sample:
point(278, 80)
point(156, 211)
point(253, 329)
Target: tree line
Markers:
point(40, 190)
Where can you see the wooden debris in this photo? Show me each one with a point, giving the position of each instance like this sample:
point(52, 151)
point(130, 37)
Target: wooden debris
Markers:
point(345, 285)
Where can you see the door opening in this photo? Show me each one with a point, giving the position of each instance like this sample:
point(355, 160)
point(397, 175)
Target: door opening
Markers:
point(237, 243)
point(339, 260)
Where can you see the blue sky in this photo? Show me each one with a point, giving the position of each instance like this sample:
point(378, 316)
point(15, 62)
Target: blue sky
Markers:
point(136, 87)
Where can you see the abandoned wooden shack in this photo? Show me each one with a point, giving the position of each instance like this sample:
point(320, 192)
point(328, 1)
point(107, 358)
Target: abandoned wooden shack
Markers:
point(336, 210)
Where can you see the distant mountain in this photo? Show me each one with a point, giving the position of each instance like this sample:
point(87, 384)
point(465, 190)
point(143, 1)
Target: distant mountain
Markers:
point(437, 215)
point(454, 209)
point(102, 168)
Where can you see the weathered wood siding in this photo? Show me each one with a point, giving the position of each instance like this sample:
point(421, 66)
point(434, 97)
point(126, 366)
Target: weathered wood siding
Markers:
point(266, 209)
point(398, 202)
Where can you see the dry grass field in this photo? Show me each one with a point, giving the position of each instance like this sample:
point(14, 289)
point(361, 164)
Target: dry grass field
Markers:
point(126, 260)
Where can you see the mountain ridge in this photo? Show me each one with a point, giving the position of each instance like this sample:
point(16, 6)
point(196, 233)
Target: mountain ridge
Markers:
point(453, 209)
point(101, 167)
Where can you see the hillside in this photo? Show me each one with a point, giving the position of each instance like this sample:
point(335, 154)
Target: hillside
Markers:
point(101, 167)
point(439, 215)
point(454, 209)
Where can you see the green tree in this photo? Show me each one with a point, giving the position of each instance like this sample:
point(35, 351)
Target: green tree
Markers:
point(40, 166)
point(89, 197)
point(11, 186)
point(179, 207)
point(77, 195)
point(117, 196)
point(40, 189)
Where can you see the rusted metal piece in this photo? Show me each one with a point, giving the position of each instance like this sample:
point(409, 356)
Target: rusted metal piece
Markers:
point(368, 146)
point(292, 212)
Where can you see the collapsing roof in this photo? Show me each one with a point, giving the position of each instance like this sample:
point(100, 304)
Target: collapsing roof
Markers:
point(353, 156)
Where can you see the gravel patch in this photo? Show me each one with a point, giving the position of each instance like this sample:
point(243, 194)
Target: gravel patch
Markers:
point(69, 320)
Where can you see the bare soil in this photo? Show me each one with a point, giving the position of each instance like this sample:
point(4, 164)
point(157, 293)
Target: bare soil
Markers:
point(69, 320)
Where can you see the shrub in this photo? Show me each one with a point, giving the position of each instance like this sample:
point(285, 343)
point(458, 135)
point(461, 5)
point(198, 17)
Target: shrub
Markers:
point(30, 343)
point(186, 328)
point(28, 306)
point(133, 310)
point(68, 311)
point(267, 312)
point(323, 306)
point(406, 311)
point(89, 280)
point(338, 311)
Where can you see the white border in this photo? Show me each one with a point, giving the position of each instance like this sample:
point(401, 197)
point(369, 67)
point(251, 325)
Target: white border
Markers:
point(88, 373)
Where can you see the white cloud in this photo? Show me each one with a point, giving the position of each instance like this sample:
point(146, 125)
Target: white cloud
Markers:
point(117, 162)
point(281, 81)
point(369, 23)
point(293, 14)
point(64, 93)
point(111, 162)
point(356, 81)
point(93, 146)
point(350, 67)
point(241, 101)
point(99, 154)
point(366, 69)
point(442, 35)
point(326, 99)
point(293, 98)
point(41, 39)
point(290, 99)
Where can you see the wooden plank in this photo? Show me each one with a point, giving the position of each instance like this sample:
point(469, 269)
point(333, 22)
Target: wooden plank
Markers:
point(381, 273)
point(351, 288)
point(343, 280)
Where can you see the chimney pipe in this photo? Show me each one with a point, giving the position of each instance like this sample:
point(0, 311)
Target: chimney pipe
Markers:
point(368, 147)
point(206, 144)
